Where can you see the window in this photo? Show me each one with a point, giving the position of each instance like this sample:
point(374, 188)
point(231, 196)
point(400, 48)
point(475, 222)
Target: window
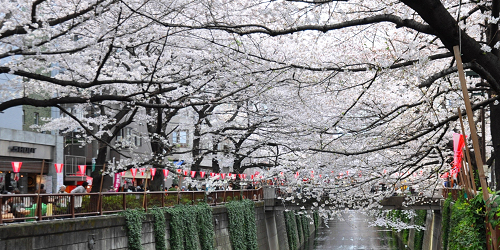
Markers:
point(138, 141)
point(180, 137)
point(37, 118)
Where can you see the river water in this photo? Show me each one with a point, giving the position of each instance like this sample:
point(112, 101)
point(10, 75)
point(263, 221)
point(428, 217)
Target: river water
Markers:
point(353, 232)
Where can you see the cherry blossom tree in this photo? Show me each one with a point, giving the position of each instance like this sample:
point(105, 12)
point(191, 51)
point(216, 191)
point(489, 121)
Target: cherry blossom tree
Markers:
point(363, 89)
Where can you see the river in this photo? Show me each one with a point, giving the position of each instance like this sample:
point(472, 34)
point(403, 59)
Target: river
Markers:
point(352, 233)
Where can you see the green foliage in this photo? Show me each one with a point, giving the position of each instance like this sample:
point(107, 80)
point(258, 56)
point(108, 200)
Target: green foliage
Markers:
point(159, 227)
point(419, 234)
point(467, 230)
point(133, 219)
point(316, 219)
point(206, 232)
point(242, 227)
point(183, 228)
point(494, 209)
point(299, 229)
point(446, 221)
point(305, 226)
point(291, 230)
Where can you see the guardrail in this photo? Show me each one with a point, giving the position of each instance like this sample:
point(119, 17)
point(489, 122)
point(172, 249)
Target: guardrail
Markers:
point(31, 207)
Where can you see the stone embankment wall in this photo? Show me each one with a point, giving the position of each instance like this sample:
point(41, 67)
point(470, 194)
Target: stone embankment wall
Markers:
point(109, 232)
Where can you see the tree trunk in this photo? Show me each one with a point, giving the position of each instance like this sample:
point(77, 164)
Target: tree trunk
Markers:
point(495, 136)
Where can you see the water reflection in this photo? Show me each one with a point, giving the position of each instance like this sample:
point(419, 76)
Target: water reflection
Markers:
point(352, 233)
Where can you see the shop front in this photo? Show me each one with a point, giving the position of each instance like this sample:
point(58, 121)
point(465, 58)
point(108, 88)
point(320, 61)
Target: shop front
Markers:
point(34, 154)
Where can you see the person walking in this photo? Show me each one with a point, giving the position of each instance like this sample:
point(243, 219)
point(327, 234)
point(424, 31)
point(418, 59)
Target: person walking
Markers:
point(78, 199)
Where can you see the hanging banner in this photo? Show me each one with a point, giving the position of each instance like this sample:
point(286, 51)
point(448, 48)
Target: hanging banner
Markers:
point(134, 172)
point(117, 182)
point(458, 145)
point(81, 169)
point(142, 170)
point(153, 172)
point(59, 167)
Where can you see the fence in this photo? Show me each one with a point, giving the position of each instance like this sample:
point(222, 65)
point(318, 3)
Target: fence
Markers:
point(31, 207)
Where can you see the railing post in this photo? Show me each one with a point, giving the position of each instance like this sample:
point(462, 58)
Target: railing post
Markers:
point(100, 203)
point(72, 204)
point(145, 201)
point(124, 202)
point(163, 199)
point(1, 215)
point(192, 197)
point(39, 208)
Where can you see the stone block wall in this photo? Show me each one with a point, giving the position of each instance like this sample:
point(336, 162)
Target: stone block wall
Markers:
point(221, 228)
point(281, 230)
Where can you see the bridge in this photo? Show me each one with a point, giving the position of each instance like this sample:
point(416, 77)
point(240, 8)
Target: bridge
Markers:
point(275, 200)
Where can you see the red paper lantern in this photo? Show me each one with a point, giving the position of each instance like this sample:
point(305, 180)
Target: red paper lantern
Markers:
point(142, 170)
point(133, 171)
point(202, 174)
point(186, 173)
point(179, 170)
point(16, 166)
point(122, 174)
point(165, 173)
point(81, 169)
point(223, 175)
point(212, 174)
point(244, 176)
point(59, 167)
point(251, 176)
point(193, 173)
point(153, 172)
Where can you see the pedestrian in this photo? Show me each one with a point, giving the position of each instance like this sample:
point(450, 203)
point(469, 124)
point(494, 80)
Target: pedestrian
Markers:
point(78, 198)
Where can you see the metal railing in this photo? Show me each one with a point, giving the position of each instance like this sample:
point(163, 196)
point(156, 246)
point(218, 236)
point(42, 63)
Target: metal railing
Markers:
point(36, 207)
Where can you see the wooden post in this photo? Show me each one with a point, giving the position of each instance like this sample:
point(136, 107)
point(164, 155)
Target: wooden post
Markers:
point(99, 205)
point(144, 198)
point(467, 152)
point(38, 211)
point(466, 181)
point(475, 141)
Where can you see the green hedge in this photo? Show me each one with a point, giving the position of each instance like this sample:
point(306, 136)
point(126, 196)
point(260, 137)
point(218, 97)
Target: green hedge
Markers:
point(291, 230)
point(242, 227)
point(419, 234)
point(467, 224)
point(133, 220)
point(191, 227)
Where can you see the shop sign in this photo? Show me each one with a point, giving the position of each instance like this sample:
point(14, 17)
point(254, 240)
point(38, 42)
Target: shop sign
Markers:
point(25, 150)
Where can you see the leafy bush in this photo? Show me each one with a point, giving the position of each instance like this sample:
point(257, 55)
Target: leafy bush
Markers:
point(159, 228)
point(242, 227)
point(467, 229)
point(291, 230)
point(446, 221)
point(133, 219)
point(419, 234)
